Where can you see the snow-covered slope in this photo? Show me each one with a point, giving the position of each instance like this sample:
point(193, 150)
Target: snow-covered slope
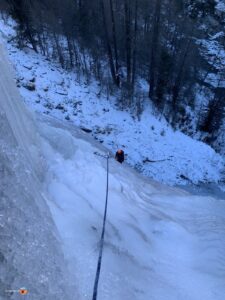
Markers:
point(161, 243)
point(47, 88)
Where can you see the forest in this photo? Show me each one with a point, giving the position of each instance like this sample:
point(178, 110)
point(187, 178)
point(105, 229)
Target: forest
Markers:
point(168, 52)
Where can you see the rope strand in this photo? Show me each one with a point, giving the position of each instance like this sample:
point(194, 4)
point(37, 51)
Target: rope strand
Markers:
point(95, 291)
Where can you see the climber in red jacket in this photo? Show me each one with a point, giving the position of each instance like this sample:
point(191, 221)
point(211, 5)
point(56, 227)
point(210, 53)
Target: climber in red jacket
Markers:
point(119, 156)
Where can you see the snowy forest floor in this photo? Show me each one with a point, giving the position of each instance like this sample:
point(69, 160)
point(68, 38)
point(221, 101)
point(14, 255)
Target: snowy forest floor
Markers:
point(49, 89)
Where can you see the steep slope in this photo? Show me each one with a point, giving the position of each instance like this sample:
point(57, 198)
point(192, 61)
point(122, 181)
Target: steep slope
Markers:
point(30, 253)
point(161, 243)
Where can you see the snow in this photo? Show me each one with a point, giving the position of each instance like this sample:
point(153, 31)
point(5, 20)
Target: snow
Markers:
point(63, 95)
point(220, 5)
point(161, 242)
point(213, 51)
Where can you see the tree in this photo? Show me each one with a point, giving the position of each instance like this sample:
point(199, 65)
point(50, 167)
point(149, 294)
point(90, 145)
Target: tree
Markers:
point(154, 48)
point(21, 10)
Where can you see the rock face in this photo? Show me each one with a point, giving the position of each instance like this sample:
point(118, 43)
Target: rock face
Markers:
point(30, 86)
point(87, 130)
point(30, 253)
point(61, 92)
point(28, 66)
point(49, 105)
point(59, 106)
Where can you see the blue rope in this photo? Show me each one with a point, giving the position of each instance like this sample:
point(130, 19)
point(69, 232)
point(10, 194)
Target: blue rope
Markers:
point(95, 292)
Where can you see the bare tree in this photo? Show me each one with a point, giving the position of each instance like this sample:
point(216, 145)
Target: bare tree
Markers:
point(154, 48)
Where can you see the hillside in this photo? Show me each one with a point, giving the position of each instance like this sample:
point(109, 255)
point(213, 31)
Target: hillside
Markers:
point(49, 89)
point(166, 53)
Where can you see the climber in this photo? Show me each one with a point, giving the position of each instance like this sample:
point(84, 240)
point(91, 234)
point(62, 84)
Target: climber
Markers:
point(119, 156)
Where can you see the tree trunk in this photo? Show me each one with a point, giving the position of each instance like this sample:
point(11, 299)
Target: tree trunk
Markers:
point(108, 45)
point(128, 40)
point(115, 43)
point(58, 48)
point(70, 49)
point(154, 48)
point(135, 44)
point(178, 81)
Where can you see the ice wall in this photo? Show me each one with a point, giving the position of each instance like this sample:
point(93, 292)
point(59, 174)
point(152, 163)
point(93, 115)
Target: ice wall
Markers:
point(30, 254)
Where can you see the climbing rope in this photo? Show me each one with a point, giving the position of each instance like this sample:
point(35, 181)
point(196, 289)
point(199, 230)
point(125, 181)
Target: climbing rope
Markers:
point(95, 291)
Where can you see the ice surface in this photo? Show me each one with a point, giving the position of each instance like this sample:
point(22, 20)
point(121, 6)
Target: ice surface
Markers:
point(30, 253)
point(161, 243)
